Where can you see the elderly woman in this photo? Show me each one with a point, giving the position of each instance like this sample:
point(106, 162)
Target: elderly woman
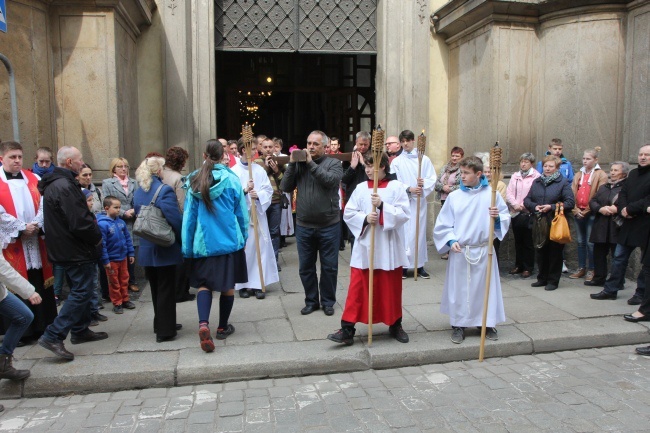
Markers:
point(449, 179)
point(548, 190)
point(604, 233)
point(585, 184)
point(160, 262)
point(517, 190)
point(122, 186)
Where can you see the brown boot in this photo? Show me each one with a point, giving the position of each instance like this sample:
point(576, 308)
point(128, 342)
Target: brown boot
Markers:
point(7, 371)
point(578, 274)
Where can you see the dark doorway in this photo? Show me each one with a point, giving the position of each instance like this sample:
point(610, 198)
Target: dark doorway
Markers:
point(287, 95)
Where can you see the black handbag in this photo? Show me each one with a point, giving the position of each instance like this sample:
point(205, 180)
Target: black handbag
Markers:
point(152, 225)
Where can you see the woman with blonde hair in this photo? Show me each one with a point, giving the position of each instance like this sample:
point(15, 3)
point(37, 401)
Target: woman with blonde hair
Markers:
point(585, 184)
point(160, 262)
point(123, 187)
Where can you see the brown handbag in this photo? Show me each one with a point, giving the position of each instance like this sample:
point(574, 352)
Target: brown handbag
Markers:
point(560, 231)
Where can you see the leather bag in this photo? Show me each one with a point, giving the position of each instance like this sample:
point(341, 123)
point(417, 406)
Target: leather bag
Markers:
point(560, 231)
point(540, 228)
point(152, 225)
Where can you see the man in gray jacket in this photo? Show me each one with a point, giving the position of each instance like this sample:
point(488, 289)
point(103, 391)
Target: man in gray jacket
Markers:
point(18, 315)
point(317, 221)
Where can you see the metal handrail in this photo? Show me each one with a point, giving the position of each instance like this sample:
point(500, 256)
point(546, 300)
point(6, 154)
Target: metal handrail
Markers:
point(12, 94)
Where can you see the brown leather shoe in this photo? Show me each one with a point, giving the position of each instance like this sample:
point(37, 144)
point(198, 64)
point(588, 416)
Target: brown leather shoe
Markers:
point(578, 274)
point(590, 275)
point(525, 274)
point(134, 288)
point(515, 271)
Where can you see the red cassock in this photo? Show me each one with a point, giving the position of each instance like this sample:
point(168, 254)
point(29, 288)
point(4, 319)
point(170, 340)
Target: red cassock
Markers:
point(387, 296)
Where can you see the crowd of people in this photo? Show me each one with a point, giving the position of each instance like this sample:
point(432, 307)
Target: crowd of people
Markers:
point(58, 228)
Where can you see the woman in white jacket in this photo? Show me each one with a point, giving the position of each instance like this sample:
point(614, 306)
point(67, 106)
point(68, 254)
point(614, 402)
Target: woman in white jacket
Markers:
point(17, 313)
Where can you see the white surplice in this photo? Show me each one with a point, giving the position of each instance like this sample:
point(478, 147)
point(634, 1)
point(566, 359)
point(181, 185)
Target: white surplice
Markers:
point(269, 264)
point(286, 218)
point(405, 166)
point(10, 226)
point(389, 237)
point(465, 218)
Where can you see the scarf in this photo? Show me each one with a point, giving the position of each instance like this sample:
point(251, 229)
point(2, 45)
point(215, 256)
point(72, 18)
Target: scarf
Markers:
point(124, 182)
point(40, 171)
point(527, 172)
point(547, 180)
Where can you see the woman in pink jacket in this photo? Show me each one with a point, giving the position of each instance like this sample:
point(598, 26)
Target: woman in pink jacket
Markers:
point(517, 190)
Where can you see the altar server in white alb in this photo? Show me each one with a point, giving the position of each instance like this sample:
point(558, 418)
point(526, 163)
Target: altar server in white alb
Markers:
point(405, 167)
point(392, 212)
point(259, 189)
point(462, 229)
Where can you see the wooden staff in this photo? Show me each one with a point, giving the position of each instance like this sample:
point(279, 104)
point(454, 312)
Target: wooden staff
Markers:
point(247, 135)
point(422, 144)
point(377, 149)
point(495, 168)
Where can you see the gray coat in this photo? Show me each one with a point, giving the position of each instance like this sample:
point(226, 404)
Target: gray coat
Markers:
point(12, 280)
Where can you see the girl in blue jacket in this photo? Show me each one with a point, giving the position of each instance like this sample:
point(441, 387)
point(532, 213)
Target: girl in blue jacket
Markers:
point(215, 228)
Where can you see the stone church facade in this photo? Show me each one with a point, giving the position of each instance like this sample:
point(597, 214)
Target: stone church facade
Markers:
point(127, 77)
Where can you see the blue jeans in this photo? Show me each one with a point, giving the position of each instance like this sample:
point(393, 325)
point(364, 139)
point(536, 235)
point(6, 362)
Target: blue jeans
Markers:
point(59, 276)
point(585, 248)
point(312, 242)
point(20, 317)
point(274, 217)
point(94, 301)
point(75, 314)
point(616, 278)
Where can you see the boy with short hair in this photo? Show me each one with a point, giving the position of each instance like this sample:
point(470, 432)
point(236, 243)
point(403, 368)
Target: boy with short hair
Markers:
point(555, 148)
point(463, 228)
point(117, 248)
point(393, 212)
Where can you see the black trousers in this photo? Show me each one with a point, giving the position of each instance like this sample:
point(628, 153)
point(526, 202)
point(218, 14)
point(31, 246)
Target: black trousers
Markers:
point(524, 249)
point(601, 250)
point(549, 262)
point(644, 308)
point(162, 280)
point(182, 280)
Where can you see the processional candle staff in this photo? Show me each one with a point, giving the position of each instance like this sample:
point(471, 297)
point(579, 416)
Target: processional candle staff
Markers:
point(377, 151)
point(495, 168)
point(422, 144)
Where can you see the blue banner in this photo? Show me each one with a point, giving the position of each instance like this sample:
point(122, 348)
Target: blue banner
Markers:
point(3, 16)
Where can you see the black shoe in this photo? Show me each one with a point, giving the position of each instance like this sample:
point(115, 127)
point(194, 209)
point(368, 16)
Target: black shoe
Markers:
point(550, 287)
point(538, 283)
point(491, 334)
point(645, 351)
point(403, 274)
point(343, 335)
point(602, 295)
point(88, 336)
point(56, 348)
point(423, 274)
point(259, 294)
point(635, 300)
point(243, 293)
point(94, 322)
point(631, 318)
point(397, 332)
point(342, 248)
point(117, 309)
point(163, 339)
point(457, 335)
point(329, 311)
point(309, 309)
point(179, 326)
point(100, 317)
point(222, 334)
point(186, 297)
point(279, 267)
point(595, 283)
point(128, 305)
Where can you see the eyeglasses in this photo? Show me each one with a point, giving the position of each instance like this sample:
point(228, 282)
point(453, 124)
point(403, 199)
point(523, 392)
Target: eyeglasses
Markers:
point(392, 142)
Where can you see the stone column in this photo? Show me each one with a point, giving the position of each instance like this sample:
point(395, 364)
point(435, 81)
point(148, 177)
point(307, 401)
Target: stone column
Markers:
point(189, 82)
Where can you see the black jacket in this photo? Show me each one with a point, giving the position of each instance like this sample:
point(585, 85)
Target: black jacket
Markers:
point(353, 177)
point(604, 230)
point(556, 191)
point(318, 191)
point(71, 231)
point(634, 196)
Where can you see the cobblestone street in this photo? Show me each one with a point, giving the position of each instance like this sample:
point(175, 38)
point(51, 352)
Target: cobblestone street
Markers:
point(574, 391)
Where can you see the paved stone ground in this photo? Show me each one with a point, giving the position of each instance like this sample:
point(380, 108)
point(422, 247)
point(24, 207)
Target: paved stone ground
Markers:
point(587, 390)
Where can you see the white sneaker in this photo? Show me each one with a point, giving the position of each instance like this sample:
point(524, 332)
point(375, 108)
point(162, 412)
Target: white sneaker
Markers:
point(564, 268)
